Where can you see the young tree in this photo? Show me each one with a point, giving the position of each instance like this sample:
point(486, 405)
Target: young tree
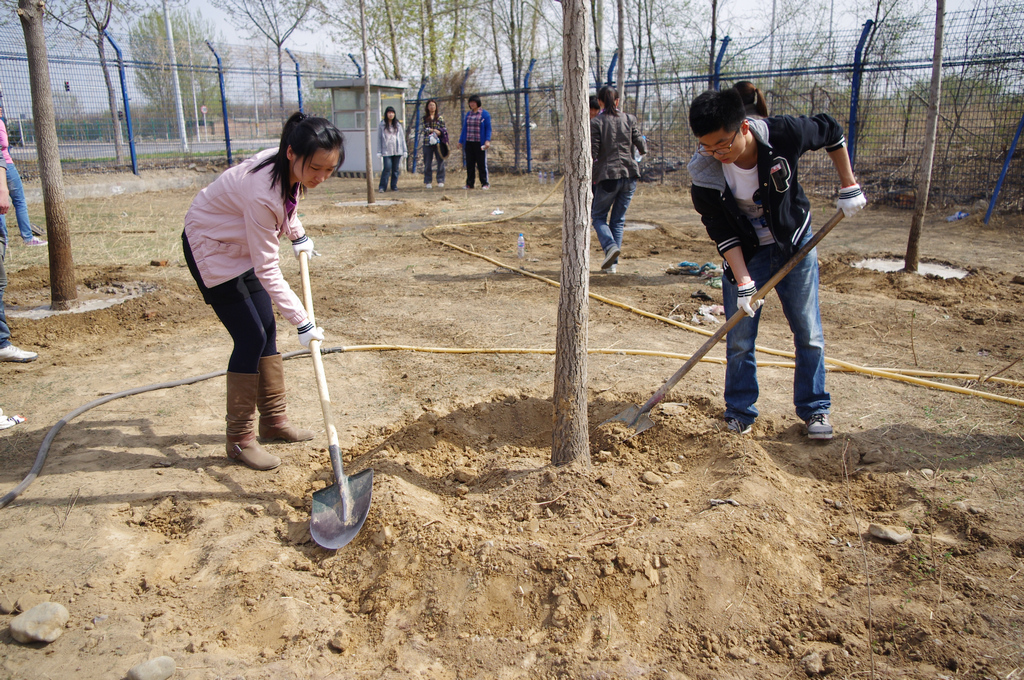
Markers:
point(98, 14)
point(274, 19)
point(63, 290)
point(570, 437)
point(912, 257)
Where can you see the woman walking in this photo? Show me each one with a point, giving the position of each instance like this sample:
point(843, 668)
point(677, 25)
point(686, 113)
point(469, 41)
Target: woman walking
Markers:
point(613, 135)
point(392, 148)
point(17, 193)
point(435, 135)
point(231, 244)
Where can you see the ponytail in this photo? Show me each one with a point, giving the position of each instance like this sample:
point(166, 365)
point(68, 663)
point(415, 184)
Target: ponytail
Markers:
point(607, 96)
point(754, 103)
point(305, 135)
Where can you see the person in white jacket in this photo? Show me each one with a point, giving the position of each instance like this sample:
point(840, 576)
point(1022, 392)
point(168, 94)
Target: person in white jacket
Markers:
point(231, 244)
point(391, 147)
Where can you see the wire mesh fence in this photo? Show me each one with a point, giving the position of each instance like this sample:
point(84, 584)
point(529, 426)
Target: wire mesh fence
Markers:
point(873, 80)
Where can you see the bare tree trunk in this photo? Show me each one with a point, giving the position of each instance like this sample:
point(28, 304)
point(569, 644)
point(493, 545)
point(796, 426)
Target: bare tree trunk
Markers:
point(63, 293)
point(912, 258)
point(370, 199)
point(432, 38)
point(111, 100)
point(570, 440)
point(620, 77)
point(714, 38)
point(280, 79)
point(394, 41)
point(595, 8)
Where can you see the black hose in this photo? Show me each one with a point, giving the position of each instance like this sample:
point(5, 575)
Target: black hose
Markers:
point(44, 448)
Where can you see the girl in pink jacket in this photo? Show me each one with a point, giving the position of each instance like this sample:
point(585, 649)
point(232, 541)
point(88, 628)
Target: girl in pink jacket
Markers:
point(231, 243)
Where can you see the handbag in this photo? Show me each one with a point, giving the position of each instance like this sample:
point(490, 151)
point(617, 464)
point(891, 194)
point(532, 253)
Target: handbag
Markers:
point(443, 148)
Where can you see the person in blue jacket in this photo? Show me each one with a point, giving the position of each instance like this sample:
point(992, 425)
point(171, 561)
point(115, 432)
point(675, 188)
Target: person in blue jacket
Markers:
point(476, 139)
point(745, 188)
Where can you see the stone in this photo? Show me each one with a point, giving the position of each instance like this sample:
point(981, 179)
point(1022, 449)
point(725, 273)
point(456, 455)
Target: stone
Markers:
point(384, 537)
point(29, 600)
point(466, 475)
point(927, 473)
point(159, 668)
point(42, 623)
point(812, 664)
point(651, 478)
point(7, 605)
point(890, 534)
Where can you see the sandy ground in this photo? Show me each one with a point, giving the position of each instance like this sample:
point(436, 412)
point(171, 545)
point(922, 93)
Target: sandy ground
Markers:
point(479, 559)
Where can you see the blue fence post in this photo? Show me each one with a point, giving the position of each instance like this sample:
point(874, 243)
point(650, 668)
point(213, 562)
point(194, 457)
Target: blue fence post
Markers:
point(858, 68)
point(359, 69)
point(526, 102)
point(611, 68)
point(124, 97)
point(416, 134)
point(718, 61)
point(298, 77)
point(223, 100)
point(462, 109)
point(1006, 166)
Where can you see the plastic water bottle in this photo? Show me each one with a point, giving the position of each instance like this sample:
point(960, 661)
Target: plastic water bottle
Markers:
point(521, 247)
point(959, 215)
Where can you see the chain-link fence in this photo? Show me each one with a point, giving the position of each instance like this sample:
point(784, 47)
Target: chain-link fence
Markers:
point(119, 110)
point(873, 80)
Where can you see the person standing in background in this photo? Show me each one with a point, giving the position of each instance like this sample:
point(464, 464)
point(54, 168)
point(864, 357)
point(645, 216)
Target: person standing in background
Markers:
point(754, 103)
point(17, 193)
point(476, 139)
point(436, 135)
point(392, 148)
point(8, 352)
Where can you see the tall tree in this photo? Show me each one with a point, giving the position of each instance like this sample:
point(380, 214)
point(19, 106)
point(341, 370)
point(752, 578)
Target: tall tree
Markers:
point(912, 257)
point(274, 19)
point(63, 290)
point(98, 14)
point(570, 437)
point(366, 107)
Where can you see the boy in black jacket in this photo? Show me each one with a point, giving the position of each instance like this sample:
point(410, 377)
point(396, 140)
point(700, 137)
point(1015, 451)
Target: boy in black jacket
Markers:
point(746, 189)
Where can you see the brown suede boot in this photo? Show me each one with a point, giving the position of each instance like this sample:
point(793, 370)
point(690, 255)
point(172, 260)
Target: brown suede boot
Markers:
point(241, 444)
point(270, 399)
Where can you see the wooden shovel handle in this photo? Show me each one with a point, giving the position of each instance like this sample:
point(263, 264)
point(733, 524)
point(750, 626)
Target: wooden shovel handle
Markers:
point(314, 350)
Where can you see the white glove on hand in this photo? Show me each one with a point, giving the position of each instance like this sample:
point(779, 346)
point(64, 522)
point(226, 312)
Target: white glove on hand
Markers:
point(307, 332)
point(303, 244)
point(743, 295)
point(851, 200)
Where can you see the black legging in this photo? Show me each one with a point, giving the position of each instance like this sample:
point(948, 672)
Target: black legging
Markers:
point(245, 309)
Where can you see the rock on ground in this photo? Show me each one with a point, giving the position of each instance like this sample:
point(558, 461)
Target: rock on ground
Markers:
point(42, 623)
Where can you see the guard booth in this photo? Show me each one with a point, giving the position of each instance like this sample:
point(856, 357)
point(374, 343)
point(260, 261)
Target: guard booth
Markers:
point(348, 112)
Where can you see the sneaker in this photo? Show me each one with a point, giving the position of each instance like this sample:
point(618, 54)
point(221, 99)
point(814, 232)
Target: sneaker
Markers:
point(819, 427)
point(35, 241)
point(12, 353)
point(486, 187)
point(428, 186)
point(737, 426)
point(614, 269)
point(611, 257)
point(467, 187)
point(440, 185)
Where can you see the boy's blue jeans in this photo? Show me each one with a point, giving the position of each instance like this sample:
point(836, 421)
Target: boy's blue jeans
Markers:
point(17, 191)
point(614, 194)
point(798, 292)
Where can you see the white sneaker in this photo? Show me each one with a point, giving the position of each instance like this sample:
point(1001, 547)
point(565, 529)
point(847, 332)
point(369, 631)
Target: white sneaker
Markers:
point(427, 186)
point(440, 185)
point(614, 269)
point(12, 353)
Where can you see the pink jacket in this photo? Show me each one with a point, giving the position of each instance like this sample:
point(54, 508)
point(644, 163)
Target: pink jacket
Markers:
point(4, 144)
point(236, 223)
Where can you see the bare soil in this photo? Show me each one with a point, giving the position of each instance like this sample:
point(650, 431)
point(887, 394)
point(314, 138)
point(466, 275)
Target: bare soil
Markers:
point(158, 544)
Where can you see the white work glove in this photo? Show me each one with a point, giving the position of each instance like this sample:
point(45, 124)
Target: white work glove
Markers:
point(303, 244)
point(851, 200)
point(308, 332)
point(743, 295)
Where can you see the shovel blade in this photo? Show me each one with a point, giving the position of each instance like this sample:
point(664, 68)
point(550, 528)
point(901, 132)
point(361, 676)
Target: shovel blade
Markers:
point(340, 510)
point(635, 418)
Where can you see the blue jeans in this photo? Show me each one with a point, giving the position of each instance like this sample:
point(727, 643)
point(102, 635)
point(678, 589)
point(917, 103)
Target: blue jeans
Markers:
point(430, 152)
point(17, 192)
point(798, 292)
point(392, 165)
point(5, 331)
point(616, 195)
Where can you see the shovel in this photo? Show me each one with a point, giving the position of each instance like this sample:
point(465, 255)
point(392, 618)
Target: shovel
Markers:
point(339, 510)
point(637, 416)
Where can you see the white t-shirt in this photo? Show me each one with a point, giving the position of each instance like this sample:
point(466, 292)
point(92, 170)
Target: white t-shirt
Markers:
point(743, 185)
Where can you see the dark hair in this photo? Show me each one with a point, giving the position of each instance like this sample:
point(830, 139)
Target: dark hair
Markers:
point(476, 98)
point(391, 123)
point(595, 105)
point(753, 101)
point(607, 96)
point(305, 135)
point(426, 111)
point(712, 111)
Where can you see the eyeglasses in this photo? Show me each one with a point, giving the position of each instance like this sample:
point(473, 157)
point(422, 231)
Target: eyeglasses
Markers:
point(720, 151)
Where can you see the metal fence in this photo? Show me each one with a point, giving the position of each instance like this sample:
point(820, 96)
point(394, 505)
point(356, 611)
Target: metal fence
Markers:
point(873, 80)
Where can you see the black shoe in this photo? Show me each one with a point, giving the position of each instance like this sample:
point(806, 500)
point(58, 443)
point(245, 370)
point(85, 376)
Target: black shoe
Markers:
point(611, 257)
point(738, 426)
